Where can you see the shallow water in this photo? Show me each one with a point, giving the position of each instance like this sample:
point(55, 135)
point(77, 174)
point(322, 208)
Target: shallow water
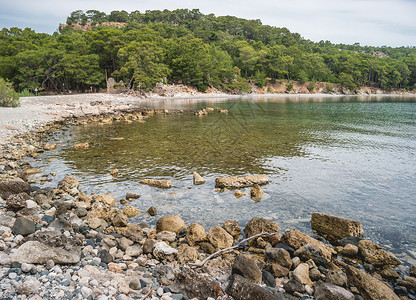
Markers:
point(347, 156)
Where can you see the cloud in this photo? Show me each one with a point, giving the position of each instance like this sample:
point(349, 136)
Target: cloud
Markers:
point(369, 22)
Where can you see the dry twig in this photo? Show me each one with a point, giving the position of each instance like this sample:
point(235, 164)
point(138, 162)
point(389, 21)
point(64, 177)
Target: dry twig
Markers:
point(148, 294)
point(198, 265)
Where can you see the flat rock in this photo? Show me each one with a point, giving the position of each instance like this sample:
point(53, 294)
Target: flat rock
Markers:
point(220, 238)
point(326, 291)
point(10, 187)
point(375, 255)
point(163, 184)
point(23, 226)
point(247, 268)
point(335, 228)
point(296, 239)
point(33, 252)
point(240, 182)
point(369, 287)
point(170, 223)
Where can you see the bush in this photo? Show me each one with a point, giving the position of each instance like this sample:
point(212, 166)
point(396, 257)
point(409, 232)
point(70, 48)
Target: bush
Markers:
point(26, 93)
point(8, 97)
point(329, 87)
point(289, 86)
point(311, 86)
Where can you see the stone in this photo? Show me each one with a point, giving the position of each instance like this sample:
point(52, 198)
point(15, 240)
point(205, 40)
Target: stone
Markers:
point(132, 196)
point(110, 201)
point(278, 270)
point(314, 274)
point(247, 268)
point(200, 286)
point(301, 274)
point(135, 284)
point(268, 279)
point(220, 238)
point(240, 182)
point(166, 236)
point(242, 289)
point(119, 220)
point(389, 274)
point(134, 232)
point(338, 278)
point(11, 187)
point(68, 185)
point(412, 271)
point(49, 147)
point(124, 243)
point(149, 245)
point(296, 239)
point(375, 255)
point(279, 256)
point(311, 252)
point(294, 286)
point(238, 194)
point(259, 225)
point(33, 252)
point(349, 250)
point(23, 226)
point(50, 264)
point(130, 211)
point(187, 254)
point(408, 282)
point(16, 202)
point(152, 211)
point(114, 172)
point(198, 179)
point(163, 184)
point(207, 247)
point(29, 287)
point(325, 291)
point(162, 251)
point(335, 228)
point(231, 226)
point(170, 223)
point(256, 192)
point(353, 240)
point(195, 234)
point(134, 250)
point(94, 223)
point(369, 287)
point(81, 146)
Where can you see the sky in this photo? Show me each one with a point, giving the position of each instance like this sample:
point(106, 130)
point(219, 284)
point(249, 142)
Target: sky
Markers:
point(368, 22)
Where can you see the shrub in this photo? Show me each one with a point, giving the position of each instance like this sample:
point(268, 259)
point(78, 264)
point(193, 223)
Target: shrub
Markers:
point(26, 93)
point(8, 97)
point(329, 87)
point(289, 86)
point(311, 86)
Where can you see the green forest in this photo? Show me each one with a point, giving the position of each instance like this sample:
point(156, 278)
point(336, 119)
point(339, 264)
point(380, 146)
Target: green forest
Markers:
point(188, 47)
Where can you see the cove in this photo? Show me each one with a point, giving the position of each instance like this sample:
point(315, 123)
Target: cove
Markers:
point(347, 156)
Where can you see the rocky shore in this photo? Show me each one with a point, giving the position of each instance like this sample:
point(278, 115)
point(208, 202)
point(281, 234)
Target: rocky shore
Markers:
point(61, 243)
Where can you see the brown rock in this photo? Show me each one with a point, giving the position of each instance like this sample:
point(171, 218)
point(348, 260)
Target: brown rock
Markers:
point(296, 239)
point(301, 274)
point(256, 192)
point(259, 225)
point(247, 268)
point(130, 211)
point(49, 147)
point(375, 255)
point(231, 226)
point(220, 238)
point(152, 211)
point(16, 202)
point(326, 291)
point(163, 184)
point(238, 194)
point(240, 182)
point(114, 172)
point(81, 146)
point(334, 228)
point(120, 220)
point(110, 201)
point(196, 285)
point(207, 247)
point(134, 232)
point(279, 256)
point(369, 287)
point(187, 254)
point(195, 233)
point(68, 185)
point(412, 271)
point(10, 187)
point(389, 274)
point(349, 250)
point(148, 246)
point(278, 270)
point(170, 223)
point(198, 179)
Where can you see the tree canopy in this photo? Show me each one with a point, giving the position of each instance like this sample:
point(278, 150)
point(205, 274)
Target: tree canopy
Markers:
point(186, 46)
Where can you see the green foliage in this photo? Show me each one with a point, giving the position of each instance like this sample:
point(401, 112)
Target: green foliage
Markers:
point(26, 93)
point(8, 97)
point(289, 86)
point(347, 81)
point(260, 79)
point(311, 86)
point(329, 87)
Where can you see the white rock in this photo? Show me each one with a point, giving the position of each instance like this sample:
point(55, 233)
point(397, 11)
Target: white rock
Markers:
point(31, 204)
point(162, 250)
point(85, 291)
point(26, 267)
point(30, 286)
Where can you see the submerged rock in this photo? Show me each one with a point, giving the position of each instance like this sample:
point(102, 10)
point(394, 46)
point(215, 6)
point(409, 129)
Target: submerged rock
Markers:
point(240, 182)
point(163, 184)
point(334, 228)
point(81, 146)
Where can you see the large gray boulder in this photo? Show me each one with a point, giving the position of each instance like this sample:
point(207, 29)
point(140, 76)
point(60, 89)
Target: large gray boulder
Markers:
point(242, 289)
point(33, 252)
point(326, 291)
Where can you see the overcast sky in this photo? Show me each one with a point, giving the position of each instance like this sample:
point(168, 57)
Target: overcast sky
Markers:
point(368, 22)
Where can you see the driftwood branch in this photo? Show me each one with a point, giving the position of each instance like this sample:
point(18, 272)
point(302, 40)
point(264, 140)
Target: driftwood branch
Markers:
point(200, 264)
point(148, 294)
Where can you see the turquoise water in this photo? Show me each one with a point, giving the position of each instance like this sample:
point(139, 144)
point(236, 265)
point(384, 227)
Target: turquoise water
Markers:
point(355, 159)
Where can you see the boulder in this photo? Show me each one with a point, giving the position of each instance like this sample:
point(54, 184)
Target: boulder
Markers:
point(369, 287)
point(110, 201)
point(278, 270)
point(163, 184)
point(349, 250)
point(34, 252)
point(242, 289)
point(240, 182)
point(247, 268)
point(119, 220)
point(311, 252)
point(198, 179)
point(324, 291)
point(163, 251)
point(200, 286)
point(187, 254)
point(256, 192)
point(195, 234)
point(296, 239)
point(301, 274)
point(259, 225)
point(16, 202)
point(293, 286)
point(170, 223)
point(68, 185)
point(130, 211)
point(338, 278)
point(375, 255)
point(152, 211)
point(23, 226)
point(278, 256)
point(231, 226)
point(335, 228)
point(134, 232)
point(220, 238)
point(11, 187)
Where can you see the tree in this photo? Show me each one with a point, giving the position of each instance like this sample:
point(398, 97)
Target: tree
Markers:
point(8, 97)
